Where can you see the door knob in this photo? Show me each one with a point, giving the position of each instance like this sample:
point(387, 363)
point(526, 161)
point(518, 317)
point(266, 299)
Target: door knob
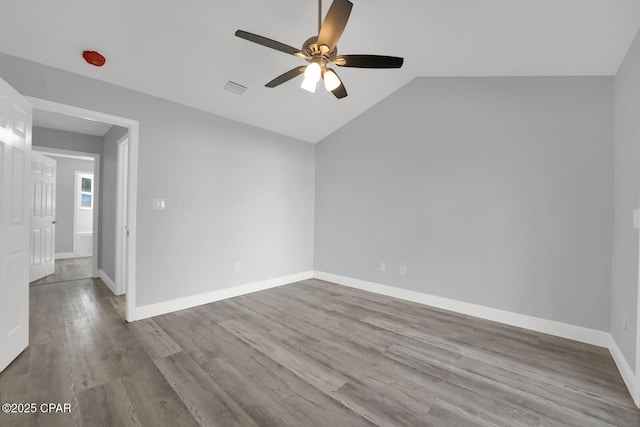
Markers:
point(54, 222)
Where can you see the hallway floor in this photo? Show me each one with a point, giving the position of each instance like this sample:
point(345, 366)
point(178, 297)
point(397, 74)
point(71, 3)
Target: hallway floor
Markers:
point(68, 269)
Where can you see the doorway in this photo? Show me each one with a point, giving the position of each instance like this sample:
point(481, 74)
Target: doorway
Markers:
point(74, 236)
point(124, 257)
point(83, 230)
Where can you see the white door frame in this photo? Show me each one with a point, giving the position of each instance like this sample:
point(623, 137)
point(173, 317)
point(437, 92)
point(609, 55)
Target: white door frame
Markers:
point(133, 126)
point(121, 220)
point(79, 155)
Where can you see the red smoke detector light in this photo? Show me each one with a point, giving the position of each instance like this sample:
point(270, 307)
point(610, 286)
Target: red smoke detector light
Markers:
point(94, 58)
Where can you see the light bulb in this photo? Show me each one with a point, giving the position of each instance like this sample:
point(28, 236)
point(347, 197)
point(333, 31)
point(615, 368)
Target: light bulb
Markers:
point(309, 84)
point(313, 72)
point(331, 80)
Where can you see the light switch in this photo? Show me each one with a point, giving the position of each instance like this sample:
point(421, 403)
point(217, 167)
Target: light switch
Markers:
point(157, 204)
point(636, 218)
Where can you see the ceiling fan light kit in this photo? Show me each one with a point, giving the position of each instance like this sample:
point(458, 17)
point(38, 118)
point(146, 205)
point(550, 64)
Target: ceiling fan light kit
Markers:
point(313, 71)
point(331, 80)
point(309, 85)
point(321, 50)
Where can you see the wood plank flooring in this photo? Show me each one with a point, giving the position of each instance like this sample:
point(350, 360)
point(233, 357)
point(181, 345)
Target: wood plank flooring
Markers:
point(67, 270)
point(306, 354)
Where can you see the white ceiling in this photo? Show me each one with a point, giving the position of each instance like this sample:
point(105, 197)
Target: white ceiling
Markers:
point(185, 51)
point(49, 120)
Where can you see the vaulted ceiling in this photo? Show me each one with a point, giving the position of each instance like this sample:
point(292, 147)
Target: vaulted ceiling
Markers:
point(185, 51)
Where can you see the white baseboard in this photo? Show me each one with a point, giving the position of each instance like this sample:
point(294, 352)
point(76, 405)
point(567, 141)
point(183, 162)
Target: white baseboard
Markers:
point(66, 255)
point(164, 307)
point(108, 281)
point(626, 372)
point(551, 327)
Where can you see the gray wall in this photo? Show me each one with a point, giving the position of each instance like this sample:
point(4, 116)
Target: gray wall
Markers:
point(233, 192)
point(108, 172)
point(65, 182)
point(493, 191)
point(624, 298)
point(52, 138)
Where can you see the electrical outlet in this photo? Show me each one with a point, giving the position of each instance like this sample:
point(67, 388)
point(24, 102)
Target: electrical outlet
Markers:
point(383, 266)
point(403, 270)
point(236, 267)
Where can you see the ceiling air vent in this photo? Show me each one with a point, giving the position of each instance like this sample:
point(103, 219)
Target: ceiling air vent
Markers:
point(234, 87)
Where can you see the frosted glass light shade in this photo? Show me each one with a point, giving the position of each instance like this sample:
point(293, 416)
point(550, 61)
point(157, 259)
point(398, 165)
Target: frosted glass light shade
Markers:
point(309, 85)
point(331, 80)
point(313, 72)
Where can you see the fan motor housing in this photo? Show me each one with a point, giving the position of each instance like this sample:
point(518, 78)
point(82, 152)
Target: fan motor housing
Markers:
point(311, 49)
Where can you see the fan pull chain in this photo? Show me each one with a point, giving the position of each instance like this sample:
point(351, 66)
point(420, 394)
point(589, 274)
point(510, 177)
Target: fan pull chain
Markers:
point(319, 15)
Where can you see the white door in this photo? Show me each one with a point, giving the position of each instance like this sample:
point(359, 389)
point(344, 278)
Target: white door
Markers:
point(122, 215)
point(43, 214)
point(15, 154)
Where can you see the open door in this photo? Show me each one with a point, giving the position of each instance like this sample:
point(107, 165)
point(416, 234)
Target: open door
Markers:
point(15, 155)
point(43, 213)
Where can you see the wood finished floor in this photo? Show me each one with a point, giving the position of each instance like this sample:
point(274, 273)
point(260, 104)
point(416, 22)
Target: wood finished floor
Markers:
point(306, 354)
point(67, 270)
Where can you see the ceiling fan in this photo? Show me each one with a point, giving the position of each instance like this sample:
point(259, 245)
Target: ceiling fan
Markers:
point(321, 50)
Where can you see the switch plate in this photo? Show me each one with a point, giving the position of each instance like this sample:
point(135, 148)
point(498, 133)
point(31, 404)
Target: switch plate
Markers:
point(403, 270)
point(636, 218)
point(236, 267)
point(383, 266)
point(157, 204)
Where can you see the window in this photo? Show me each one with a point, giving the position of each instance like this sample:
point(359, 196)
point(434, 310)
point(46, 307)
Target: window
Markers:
point(86, 192)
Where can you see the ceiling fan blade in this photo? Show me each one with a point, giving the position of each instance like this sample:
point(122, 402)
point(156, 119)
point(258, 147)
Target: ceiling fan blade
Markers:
point(334, 23)
point(285, 77)
point(268, 42)
point(368, 61)
point(339, 92)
